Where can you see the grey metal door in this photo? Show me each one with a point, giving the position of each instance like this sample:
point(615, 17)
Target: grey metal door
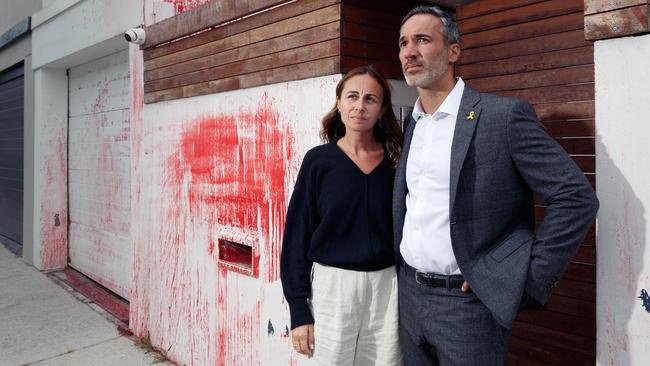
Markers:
point(11, 155)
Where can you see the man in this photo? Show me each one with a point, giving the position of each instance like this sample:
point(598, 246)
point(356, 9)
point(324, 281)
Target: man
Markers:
point(463, 207)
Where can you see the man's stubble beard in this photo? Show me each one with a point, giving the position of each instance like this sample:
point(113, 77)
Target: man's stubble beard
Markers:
point(431, 73)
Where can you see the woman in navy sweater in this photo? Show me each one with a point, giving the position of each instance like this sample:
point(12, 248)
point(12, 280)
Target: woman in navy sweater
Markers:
point(337, 261)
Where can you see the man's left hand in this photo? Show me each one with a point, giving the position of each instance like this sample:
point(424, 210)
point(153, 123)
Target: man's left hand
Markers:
point(465, 287)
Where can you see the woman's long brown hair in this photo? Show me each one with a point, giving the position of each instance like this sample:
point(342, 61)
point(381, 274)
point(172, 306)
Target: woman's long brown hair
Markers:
point(386, 131)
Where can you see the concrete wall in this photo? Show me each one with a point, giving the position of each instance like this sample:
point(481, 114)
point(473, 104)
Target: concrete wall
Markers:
point(623, 186)
point(13, 11)
point(71, 32)
point(212, 167)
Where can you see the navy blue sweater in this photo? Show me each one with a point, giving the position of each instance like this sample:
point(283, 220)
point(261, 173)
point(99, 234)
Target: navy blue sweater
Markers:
point(337, 216)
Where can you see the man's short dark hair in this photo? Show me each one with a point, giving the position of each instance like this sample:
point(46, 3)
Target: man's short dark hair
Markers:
point(449, 25)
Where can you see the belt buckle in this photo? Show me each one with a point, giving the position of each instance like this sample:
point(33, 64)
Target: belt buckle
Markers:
point(419, 274)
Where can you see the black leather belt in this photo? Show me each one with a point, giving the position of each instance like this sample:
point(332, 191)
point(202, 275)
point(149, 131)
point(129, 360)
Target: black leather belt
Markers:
point(434, 279)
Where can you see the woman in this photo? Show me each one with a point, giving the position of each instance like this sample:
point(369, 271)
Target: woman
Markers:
point(337, 253)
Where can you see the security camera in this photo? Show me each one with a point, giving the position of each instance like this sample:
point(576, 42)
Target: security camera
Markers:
point(135, 35)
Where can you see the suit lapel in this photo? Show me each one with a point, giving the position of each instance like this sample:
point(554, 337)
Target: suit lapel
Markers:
point(468, 116)
point(400, 189)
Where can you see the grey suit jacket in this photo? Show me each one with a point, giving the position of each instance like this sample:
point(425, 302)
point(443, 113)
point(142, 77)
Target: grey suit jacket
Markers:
point(498, 159)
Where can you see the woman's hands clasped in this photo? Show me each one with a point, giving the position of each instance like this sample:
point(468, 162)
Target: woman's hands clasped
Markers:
point(302, 338)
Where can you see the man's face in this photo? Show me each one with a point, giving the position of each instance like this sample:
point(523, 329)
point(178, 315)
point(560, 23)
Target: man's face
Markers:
point(423, 51)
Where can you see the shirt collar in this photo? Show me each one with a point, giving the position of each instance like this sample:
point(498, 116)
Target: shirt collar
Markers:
point(450, 105)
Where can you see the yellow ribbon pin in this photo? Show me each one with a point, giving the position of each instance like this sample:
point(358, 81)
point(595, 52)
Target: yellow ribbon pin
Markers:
point(470, 115)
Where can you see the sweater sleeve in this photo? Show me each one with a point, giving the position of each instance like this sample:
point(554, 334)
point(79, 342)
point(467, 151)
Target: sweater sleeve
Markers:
point(295, 266)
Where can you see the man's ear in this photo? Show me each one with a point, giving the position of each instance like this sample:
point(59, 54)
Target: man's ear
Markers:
point(453, 53)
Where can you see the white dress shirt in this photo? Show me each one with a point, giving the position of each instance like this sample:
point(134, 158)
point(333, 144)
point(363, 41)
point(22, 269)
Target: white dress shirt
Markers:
point(426, 240)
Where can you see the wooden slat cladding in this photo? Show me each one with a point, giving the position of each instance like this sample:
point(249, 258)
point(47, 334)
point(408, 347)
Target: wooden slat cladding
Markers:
point(523, 14)
point(489, 6)
point(260, 37)
point(326, 66)
point(271, 16)
point(536, 50)
point(369, 34)
point(298, 40)
point(618, 23)
point(202, 17)
point(599, 6)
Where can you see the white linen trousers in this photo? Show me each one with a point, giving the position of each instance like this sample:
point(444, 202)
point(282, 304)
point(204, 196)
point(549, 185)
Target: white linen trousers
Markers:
point(355, 317)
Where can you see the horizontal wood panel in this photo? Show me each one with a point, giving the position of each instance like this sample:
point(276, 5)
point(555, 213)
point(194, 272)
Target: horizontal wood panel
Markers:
point(569, 306)
point(294, 40)
point(560, 322)
point(271, 16)
point(389, 6)
point(576, 290)
point(354, 48)
point(572, 21)
point(578, 145)
point(552, 337)
point(525, 14)
point(574, 128)
point(554, 93)
point(581, 272)
point(533, 79)
point(566, 111)
point(547, 43)
point(366, 33)
point(202, 17)
point(586, 254)
point(327, 66)
point(528, 63)
point(530, 352)
point(254, 41)
point(391, 70)
point(290, 57)
point(483, 7)
point(617, 23)
point(587, 163)
point(599, 6)
point(374, 18)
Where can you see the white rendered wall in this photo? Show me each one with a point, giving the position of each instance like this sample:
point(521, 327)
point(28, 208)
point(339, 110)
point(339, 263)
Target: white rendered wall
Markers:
point(70, 32)
point(50, 204)
point(623, 187)
point(208, 167)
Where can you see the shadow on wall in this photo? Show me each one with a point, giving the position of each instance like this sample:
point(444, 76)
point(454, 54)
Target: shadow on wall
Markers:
point(621, 247)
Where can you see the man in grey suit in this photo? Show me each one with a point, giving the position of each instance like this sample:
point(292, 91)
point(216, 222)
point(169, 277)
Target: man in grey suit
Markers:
point(463, 207)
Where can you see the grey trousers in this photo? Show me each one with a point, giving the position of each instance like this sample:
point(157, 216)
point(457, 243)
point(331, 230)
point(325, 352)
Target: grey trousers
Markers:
point(447, 327)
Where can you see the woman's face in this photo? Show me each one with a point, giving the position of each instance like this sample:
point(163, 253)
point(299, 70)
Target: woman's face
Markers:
point(360, 103)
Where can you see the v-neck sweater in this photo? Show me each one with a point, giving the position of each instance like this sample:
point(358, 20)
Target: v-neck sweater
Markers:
point(337, 216)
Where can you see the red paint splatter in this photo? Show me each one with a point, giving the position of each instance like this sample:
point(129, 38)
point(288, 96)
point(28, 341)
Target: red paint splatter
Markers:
point(54, 216)
point(238, 166)
point(139, 312)
point(181, 6)
point(229, 171)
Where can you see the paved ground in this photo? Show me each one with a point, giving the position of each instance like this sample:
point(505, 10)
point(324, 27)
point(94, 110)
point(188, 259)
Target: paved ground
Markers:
point(43, 323)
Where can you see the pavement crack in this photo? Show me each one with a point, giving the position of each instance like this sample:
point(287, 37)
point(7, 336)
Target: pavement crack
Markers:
point(69, 352)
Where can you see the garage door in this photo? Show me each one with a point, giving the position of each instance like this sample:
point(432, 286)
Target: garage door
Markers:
point(98, 171)
point(11, 156)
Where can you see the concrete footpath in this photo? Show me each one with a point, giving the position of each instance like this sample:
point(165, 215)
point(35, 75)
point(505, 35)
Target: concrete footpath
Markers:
point(43, 324)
